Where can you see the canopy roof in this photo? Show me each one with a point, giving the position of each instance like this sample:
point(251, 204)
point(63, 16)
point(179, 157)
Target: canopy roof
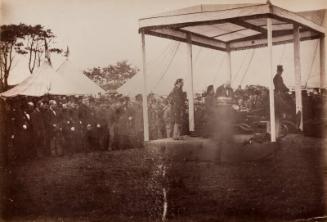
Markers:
point(45, 80)
point(68, 71)
point(233, 26)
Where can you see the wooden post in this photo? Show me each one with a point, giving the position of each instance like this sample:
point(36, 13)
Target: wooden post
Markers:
point(297, 72)
point(229, 66)
point(271, 84)
point(145, 93)
point(190, 93)
point(323, 62)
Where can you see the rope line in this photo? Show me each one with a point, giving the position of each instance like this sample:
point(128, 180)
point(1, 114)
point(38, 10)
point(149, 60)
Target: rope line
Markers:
point(283, 54)
point(167, 67)
point(240, 67)
point(169, 47)
point(220, 64)
point(248, 66)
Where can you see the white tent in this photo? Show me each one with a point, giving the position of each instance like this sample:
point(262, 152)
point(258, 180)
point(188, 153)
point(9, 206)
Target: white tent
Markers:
point(68, 71)
point(45, 80)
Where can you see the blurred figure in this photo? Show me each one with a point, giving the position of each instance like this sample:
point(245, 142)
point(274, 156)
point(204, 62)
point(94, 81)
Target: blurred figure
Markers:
point(26, 148)
point(223, 119)
point(155, 119)
point(177, 99)
point(167, 118)
point(284, 102)
point(225, 90)
point(210, 102)
point(124, 125)
point(138, 121)
point(54, 129)
point(280, 87)
point(39, 129)
point(102, 130)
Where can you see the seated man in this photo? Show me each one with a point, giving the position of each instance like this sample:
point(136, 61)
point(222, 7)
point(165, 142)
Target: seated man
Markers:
point(280, 87)
point(284, 101)
point(225, 90)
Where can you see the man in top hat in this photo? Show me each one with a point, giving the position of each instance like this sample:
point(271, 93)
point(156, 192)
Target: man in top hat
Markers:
point(177, 106)
point(284, 102)
point(280, 87)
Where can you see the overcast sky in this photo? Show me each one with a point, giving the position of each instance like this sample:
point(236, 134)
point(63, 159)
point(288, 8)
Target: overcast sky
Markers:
point(102, 32)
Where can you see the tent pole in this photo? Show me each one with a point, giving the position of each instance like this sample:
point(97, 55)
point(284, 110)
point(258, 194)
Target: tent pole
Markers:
point(145, 93)
point(229, 66)
point(297, 70)
point(190, 85)
point(322, 62)
point(271, 85)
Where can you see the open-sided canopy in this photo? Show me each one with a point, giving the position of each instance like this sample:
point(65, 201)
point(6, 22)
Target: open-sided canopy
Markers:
point(68, 71)
point(233, 26)
point(45, 80)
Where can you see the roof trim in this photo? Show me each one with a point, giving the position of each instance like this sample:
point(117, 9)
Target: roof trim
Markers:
point(169, 25)
point(182, 37)
point(203, 16)
point(287, 15)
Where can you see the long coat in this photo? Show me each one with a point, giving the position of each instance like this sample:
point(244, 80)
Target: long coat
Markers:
point(279, 84)
point(178, 102)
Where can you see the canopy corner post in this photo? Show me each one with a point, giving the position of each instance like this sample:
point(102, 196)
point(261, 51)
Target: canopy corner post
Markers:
point(271, 84)
point(145, 92)
point(190, 92)
point(322, 50)
point(297, 72)
point(229, 63)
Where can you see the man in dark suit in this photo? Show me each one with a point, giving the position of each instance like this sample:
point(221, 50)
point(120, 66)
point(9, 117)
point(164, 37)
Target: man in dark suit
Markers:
point(280, 87)
point(177, 103)
point(38, 130)
point(225, 90)
point(284, 101)
point(285, 105)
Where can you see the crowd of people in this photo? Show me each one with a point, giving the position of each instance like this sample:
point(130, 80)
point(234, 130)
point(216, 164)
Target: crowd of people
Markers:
point(62, 125)
point(55, 126)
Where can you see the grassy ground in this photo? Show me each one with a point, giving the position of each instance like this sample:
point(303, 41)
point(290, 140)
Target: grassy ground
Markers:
point(128, 186)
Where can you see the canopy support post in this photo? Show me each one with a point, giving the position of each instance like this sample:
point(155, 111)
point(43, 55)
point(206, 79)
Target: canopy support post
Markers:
point(190, 93)
point(297, 70)
point(229, 65)
point(322, 62)
point(145, 93)
point(271, 84)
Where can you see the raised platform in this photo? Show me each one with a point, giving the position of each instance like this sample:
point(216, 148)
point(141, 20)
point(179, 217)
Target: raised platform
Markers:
point(204, 149)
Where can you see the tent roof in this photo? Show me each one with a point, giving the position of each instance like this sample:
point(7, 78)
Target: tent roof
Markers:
point(45, 80)
point(232, 26)
point(68, 71)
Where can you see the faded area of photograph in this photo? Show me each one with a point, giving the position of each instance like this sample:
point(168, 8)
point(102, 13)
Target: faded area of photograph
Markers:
point(149, 110)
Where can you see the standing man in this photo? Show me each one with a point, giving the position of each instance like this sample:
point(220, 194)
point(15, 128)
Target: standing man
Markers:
point(167, 118)
point(177, 108)
point(223, 120)
point(38, 130)
point(284, 102)
point(280, 87)
point(138, 121)
point(210, 105)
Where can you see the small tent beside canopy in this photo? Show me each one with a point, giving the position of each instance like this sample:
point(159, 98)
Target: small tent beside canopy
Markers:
point(68, 71)
point(45, 80)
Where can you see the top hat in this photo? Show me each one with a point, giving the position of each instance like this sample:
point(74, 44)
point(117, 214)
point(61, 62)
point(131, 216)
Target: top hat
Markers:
point(280, 68)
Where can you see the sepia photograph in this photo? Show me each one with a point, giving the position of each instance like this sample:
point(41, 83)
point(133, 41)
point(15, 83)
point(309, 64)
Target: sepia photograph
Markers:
point(163, 110)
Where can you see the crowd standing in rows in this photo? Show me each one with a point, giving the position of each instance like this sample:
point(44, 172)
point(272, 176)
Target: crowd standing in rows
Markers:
point(61, 125)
